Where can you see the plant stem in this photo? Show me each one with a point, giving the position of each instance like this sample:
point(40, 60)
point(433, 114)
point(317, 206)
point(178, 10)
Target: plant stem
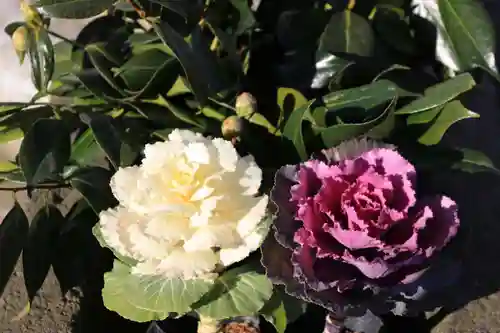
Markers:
point(207, 325)
point(36, 187)
point(333, 325)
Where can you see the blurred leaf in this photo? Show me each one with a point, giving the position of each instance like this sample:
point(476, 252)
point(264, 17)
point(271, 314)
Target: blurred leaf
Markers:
point(364, 97)
point(13, 234)
point(93, 184)
point(7, 166)
point(85, 150)
point(189, 59)
point(39, 250)
point(150, 69)
point(328, 67)
point(110, 141)
point(282, 309)
point(237, 292)
point(288, 100)
point(183, 8)
point(471, 34)
point(334, 135)
point(247, 19)
point(182, 113)
point(475, 161)
point(424, 116)
point(74, 9)
point(451, 113)
point(44, 151)
point(144, 298)
point(103, 61)
point(41, 54)
point(347, 33)
point(392, 27)
point(440, 94)
point(293, 128)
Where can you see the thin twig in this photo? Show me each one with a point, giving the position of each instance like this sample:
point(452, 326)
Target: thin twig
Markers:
point(35, 187)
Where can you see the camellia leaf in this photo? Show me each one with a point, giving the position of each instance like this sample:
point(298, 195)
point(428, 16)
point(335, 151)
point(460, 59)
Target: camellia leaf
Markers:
point(142, 71)
point(188, 58)
point(85, 150)
point(39, 250)
point(102, 62)
point(471, 34)
point(45, 150)
point(440, 94)
point(334, 135)
point(74, 9)
point(364, 97)
point(93, 184)
point(475, 161)
point(13, 234)
point(293, 128)
point(41, 54)
point(347, 33)
point(238, 292)
point(146, 298)
point(288, 100)
point(108, 138)
point(451, 113)
point(424, 116)
point(182, 8)
point(247, 19)
point(282, 309)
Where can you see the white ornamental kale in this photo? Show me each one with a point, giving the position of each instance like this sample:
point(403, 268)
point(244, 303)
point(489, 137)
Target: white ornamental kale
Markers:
point(190, 208)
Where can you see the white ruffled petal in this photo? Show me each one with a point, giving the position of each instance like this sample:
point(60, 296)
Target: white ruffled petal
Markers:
point(180, 264)
point(253, 217)
point(213, 236)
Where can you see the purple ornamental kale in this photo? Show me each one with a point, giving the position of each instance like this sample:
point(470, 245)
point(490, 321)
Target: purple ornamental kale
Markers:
point(351, 235)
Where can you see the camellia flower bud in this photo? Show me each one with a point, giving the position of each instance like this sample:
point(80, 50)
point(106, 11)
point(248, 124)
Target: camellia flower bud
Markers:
point(19, 42)
point(246, 105)
point(232, 127)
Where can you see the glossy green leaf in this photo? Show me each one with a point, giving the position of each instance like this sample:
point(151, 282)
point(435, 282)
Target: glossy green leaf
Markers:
point(40, 247)
point(451, 113)
point(187, 56)
point(147, 297)
point(108, 138)
point(150, 69)
point(329, 67)
point(293, 128)
point(424, 116)
point(364, 98)
point(475, 161)
point(471, 34)
point(347, 32)
point(13, 234)
point(41, 54)
point(440, 94)
point(334, 135)
point(103, 61)
point(45, 150)
point(246, 19)
point(93, 184)
point(282, 309)
point(183, 8)
point(74, 9)
point(85, 150)
point(394, 29)
point(288, 100)
point(238, 292)
point(7, 166)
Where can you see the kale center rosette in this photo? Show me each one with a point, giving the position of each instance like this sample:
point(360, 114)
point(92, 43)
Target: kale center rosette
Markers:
point(350, 226)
